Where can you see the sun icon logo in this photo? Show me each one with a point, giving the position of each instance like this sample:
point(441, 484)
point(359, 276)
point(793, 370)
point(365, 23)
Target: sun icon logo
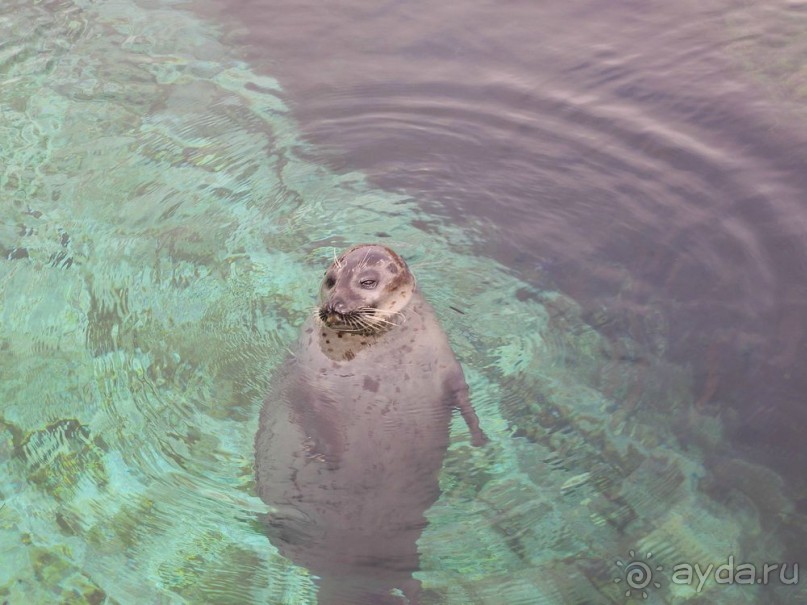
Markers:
point(638, 574)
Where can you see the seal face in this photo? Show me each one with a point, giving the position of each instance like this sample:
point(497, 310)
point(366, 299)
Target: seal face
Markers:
point(352, 435)
point(364, 290)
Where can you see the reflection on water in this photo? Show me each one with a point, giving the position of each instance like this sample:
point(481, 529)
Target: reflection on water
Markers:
point(649, 158)
point(163, 235)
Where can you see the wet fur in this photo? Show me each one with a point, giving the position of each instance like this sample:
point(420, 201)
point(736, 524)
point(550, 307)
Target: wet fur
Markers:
point(352, 438)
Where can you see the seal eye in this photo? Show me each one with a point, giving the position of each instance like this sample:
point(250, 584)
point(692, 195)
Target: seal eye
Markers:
point(368, 284)
point(329, 282)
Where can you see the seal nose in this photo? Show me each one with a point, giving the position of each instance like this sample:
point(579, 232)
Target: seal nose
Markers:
point(337, 305)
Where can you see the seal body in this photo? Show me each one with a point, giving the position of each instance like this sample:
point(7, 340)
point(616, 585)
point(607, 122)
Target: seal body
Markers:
point(352, 437)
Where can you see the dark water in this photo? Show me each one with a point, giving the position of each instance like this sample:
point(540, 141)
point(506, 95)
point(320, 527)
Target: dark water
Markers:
point(650, 159)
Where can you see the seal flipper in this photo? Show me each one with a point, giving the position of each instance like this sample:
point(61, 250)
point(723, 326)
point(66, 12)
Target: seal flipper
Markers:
point(457, 396)
point(323, 437)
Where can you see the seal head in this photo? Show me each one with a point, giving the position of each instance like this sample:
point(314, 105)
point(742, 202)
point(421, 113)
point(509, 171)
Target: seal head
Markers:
point(365, 290)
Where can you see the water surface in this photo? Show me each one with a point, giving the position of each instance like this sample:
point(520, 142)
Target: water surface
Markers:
point(644, 156)
point(611, 195)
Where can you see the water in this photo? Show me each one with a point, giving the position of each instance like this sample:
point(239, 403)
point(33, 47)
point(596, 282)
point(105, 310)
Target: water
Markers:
point(611, 194)
point(644, 156)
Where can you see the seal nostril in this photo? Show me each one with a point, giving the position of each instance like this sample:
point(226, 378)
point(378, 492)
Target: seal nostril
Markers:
point(338, 305)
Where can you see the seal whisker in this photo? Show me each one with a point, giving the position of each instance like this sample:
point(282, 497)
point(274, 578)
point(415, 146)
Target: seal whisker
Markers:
point(390, 315)
point(365, 324)
point(376, 325)
point(362, 322)
point(377, 311)
point(381, 320)
point(363, 262)
point(373, 317)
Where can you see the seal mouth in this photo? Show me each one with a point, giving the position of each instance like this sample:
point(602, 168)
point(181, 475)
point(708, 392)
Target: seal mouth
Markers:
point(364, 320)
point(333, 319)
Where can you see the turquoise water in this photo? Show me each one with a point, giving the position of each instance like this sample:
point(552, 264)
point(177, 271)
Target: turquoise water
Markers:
point(163, 238)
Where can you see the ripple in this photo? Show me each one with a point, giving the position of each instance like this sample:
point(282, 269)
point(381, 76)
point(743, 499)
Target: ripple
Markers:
point(168, 173)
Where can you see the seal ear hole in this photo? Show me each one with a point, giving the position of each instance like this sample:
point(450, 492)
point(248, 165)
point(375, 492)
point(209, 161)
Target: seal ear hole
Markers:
point(329, 281)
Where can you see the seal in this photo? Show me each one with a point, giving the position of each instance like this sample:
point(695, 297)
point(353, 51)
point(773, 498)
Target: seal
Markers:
point(352, 436)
